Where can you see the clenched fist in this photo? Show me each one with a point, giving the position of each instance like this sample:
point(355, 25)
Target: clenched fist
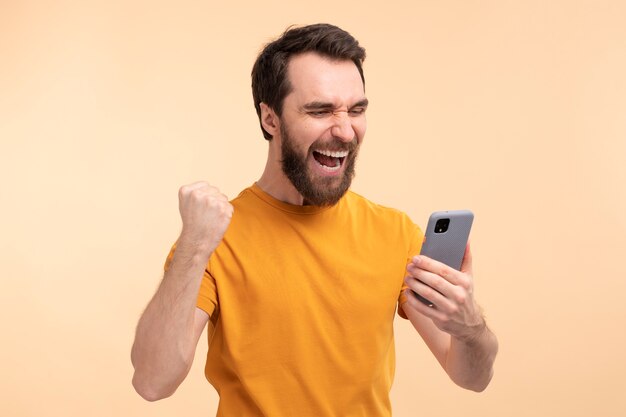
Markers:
point(206, 214)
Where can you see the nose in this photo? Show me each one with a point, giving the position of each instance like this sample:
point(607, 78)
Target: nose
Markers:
point(342, 127)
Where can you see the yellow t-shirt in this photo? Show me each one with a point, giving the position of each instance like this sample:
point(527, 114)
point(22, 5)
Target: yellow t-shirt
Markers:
point(302, 301)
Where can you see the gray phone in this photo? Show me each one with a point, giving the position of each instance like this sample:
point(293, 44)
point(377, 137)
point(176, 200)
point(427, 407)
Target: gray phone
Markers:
point(446, 238)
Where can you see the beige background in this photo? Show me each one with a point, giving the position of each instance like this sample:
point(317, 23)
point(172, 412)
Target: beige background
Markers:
point(514, 109)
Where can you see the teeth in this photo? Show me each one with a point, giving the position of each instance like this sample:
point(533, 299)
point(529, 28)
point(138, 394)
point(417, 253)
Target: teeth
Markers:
point(336, 154)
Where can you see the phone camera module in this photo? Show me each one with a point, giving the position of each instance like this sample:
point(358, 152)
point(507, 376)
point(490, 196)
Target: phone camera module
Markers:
point(442, 225)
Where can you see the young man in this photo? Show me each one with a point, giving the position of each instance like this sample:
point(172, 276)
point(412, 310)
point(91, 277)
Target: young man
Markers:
point(298, 276)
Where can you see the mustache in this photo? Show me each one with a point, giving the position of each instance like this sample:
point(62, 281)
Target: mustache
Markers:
point(335, 145)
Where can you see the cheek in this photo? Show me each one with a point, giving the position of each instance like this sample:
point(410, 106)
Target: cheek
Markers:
point(304, 141)
point(312, 132)
point(359, 128)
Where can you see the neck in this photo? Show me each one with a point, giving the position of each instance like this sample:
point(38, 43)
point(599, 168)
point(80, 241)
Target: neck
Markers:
point(275, 182)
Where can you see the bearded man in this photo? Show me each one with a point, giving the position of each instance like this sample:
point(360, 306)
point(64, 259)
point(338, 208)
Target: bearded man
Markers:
point(299, 277)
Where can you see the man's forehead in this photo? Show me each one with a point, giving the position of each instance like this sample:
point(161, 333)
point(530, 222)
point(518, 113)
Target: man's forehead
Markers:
point(318, 78)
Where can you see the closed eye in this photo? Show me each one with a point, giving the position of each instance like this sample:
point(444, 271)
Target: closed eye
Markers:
point(357, 111)
point(320, 113)
point(359, 108)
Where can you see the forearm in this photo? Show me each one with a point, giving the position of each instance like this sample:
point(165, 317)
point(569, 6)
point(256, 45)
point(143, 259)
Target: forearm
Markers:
point(469, 361)
point(164, 347)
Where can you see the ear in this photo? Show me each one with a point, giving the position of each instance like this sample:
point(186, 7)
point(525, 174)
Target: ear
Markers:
point(269, 119)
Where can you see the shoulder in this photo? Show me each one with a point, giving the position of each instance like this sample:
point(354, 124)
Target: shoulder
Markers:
point(246, 203)
point(369, 210)
point(245, 196)
point(359, 202)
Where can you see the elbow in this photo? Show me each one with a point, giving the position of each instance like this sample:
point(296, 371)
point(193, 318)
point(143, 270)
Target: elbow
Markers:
point(156, 378)
point(483, 386)
point(475, 384)
point(142, 383)
point(148, 391)
point(480, 386)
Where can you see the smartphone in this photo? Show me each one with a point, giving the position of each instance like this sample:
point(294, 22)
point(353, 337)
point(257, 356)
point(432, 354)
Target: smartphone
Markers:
point(446, 238)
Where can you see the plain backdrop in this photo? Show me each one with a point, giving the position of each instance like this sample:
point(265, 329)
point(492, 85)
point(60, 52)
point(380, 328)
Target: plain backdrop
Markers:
point(513, 109)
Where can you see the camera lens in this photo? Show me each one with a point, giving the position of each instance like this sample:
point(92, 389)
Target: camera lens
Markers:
point(442, 225)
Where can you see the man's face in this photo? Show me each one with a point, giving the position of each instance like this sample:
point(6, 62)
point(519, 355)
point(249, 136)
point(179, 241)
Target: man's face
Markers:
point(322, 126)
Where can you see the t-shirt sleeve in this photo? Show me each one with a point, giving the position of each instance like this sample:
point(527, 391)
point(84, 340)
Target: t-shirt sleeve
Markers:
point(207, 296)
point(415, 245)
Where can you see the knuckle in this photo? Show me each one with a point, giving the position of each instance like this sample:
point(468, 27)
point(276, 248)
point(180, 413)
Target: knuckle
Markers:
point(439, 283)
point(197, 194)
point(465, 282)
point(430, 293)
point(461, 298)
point(210, 203)
point(443, 272)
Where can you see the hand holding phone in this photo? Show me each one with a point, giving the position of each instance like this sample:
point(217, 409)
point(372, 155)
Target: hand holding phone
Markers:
point(445, 239)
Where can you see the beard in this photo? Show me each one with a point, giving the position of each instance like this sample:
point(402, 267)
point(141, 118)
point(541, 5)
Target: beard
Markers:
point(317, 191)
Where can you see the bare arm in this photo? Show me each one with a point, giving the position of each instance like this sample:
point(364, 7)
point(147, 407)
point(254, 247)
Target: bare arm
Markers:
point(170, 327)
point(454, 328)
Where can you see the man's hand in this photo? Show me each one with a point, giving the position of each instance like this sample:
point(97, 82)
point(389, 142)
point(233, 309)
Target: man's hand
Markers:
point(206, 214)
point(453, 309)
point(453, 326)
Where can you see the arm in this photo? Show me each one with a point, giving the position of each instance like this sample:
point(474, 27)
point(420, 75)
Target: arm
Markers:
point(170, 327)
point(454, 328)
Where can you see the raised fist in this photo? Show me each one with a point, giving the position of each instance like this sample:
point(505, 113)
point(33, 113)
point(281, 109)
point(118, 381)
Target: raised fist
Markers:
point(205, 212)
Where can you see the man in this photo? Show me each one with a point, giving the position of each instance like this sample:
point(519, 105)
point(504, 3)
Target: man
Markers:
point(298, 276)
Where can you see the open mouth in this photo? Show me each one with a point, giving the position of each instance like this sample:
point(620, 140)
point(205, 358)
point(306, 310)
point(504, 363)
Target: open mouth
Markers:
point(330, 161)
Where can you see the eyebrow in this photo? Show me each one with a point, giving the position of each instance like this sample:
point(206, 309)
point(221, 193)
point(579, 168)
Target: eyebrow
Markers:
point(317, 105)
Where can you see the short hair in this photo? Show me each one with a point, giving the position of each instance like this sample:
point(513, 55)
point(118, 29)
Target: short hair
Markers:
point(269, 73)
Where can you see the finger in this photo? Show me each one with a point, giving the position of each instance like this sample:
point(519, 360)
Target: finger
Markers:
point(432, 280)
point(229, 210)
point(430, 312)
point(440, 300)
point(218, 197)
point(466, 264)
point(186, 190)
point(196, 185)
point(438, 268)
point(201, 192)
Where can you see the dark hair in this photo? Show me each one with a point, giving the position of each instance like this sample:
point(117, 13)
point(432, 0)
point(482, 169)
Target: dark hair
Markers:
point(269, 73)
